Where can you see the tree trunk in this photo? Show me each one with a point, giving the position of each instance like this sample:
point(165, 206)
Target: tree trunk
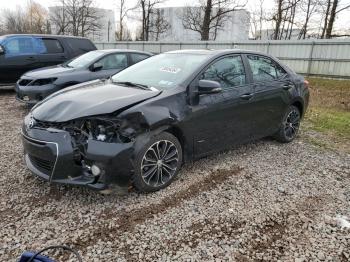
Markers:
point(121, 20)
point(143, 20)
point(278, 19)
point(326, 19)
point(331, 19)
point(206, 21)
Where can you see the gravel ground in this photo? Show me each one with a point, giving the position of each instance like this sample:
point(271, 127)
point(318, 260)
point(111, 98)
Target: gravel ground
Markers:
point(260, 201)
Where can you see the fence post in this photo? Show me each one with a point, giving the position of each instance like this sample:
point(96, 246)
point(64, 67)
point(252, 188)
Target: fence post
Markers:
point(127, 45)
point(310, 58)
point(180, 45)
point(103, 45)
point(160, 47)
point(268, 47)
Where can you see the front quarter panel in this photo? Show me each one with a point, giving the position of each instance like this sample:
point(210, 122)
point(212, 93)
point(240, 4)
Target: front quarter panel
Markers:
point(165, 112)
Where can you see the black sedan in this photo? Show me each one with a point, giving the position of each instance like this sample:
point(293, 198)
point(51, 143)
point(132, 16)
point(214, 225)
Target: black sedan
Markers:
point(35, 85)
point(141, 125)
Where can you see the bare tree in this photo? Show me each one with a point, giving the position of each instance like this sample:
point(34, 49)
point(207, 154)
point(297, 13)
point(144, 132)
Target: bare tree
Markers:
point(333, 8)
point(209, 17)
point(147, 8)
point(30, 19)
point(75, 17)
point(284, 18)
point(309, 7)
point(123, 10)
point(256, 20)
point(158, 24)
point(38, 18)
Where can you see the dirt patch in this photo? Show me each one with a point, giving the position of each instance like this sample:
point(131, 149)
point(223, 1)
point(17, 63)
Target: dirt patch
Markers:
point(128, 220)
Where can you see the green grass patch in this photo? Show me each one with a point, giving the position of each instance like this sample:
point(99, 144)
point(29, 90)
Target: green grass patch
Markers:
point(329, 121)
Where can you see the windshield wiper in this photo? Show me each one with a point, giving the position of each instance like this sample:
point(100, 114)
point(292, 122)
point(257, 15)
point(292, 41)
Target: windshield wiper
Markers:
point(127, 83)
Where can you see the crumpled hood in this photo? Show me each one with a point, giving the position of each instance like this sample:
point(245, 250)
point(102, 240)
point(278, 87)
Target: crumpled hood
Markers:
point(52, 71)
point(92, 98)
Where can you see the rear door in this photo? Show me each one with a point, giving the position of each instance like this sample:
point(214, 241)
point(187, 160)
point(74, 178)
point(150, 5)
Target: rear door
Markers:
point(137, 57)
point(20, 56)
point(111, 64)
point(271, 95)
point(51, 51)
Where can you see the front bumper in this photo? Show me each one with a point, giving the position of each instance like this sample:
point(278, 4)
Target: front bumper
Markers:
point(50, 155)
point(33, 94)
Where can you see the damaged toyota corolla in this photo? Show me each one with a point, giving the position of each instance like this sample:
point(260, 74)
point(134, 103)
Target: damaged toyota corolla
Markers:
point(141, 125)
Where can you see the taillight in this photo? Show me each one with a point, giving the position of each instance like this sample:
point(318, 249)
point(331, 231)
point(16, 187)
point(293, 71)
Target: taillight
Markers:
point(306, 83)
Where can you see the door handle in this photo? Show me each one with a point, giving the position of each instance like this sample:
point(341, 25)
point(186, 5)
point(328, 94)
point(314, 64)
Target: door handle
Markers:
point(287, 86)
point(247, 96)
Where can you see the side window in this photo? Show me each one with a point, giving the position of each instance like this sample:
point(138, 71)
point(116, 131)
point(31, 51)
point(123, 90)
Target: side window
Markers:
point(19, 46)
point(228, 71)
point(135, 58)
point(79, 46)
point(264, 69)
point(52, 46)
point(114, 61)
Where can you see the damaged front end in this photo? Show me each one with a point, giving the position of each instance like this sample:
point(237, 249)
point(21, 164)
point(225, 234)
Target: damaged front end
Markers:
point(93, 151)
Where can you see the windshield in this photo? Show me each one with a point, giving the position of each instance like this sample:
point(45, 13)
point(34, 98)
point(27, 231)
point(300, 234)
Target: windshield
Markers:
point(162, 71)
point(83, 60)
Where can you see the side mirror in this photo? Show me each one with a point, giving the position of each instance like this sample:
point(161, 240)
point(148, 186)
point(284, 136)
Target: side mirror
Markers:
point(2, 50)
point(208, 87)
point(96, 67)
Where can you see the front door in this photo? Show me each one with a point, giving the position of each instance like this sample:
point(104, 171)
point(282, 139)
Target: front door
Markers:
point(20, 56)
point(111, 64)
point(221, 120)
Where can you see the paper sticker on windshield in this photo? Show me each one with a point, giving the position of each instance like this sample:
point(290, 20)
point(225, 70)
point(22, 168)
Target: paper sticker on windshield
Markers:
point(165, 83)
point(172, 70)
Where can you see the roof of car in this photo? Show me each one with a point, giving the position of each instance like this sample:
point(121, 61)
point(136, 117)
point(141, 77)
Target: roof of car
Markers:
point(124, 51)
point(212, 52)
point(46, 35)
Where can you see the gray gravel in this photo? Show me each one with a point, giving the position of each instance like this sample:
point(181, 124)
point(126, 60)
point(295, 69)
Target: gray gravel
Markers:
point(261, 201)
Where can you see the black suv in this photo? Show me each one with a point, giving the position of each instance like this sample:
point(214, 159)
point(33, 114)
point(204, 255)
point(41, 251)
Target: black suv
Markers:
point(22, 53)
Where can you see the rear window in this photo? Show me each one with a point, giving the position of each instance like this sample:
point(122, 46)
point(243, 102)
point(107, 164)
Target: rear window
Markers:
point(80, 45)
point(52, 46)
point(137, 57)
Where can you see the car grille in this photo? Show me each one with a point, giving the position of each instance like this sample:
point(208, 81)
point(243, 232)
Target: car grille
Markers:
point(45, 125)
point(42, 164)
point(24, 82)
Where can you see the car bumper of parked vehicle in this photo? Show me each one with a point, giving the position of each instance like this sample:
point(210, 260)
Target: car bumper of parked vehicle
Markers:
point(31, 94)
point(53, 158)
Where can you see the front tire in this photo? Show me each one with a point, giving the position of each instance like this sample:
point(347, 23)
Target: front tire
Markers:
point(290, 125)
point(157, 163)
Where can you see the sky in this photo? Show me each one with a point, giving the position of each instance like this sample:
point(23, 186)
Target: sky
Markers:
point(343, 20)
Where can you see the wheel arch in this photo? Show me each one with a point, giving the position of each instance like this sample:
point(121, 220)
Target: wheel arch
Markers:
point(300, 105)
point(179, 134)
point(70, 83)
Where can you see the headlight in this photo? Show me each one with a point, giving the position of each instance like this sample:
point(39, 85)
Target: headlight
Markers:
point(43, 81)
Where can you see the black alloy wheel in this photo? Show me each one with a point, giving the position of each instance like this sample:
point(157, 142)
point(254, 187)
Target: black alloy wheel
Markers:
point(159, 162)
point(289, 126)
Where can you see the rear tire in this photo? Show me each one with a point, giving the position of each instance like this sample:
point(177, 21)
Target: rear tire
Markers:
point(290, 125)
point(157, 163)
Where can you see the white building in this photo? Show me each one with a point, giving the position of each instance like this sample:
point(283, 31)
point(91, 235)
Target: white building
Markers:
point(105, 34)
point(236, 26)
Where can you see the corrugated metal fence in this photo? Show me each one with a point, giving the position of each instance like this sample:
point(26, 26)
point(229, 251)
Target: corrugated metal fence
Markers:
point(319, 57)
